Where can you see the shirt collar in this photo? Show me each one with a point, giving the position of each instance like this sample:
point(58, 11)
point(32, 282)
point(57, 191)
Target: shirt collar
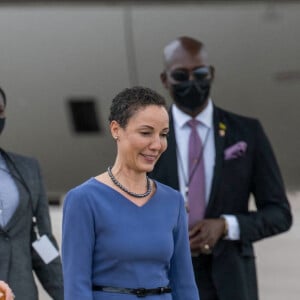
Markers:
point(205, 117)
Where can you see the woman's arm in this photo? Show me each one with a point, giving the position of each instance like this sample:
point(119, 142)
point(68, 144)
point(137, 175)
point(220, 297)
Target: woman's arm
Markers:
point(77, 246)
point(181, 270)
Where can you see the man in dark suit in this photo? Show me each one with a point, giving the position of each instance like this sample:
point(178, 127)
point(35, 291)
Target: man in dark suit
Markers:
point(238, 161)
point(24, 212)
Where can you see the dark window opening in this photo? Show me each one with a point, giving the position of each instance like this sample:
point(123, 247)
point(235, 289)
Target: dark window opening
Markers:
point(84, 115)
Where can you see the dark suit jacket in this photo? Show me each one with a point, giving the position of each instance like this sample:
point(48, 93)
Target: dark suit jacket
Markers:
point(17, 257)
point(257, 173)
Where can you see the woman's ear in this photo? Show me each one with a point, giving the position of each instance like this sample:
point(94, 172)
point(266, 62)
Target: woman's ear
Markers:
point(114, 129)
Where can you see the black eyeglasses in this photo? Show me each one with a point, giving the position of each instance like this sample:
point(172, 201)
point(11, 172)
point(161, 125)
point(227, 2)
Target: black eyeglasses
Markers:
point(200, 73)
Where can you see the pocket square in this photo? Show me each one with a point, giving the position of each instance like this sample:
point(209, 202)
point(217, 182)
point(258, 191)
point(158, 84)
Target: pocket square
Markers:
point(235, 151)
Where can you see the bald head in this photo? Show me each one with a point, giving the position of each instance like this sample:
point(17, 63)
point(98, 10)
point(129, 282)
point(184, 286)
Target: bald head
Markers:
point(186, 44)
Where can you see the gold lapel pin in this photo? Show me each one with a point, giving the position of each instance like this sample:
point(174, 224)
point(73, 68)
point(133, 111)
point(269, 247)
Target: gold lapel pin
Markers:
point(222, 132)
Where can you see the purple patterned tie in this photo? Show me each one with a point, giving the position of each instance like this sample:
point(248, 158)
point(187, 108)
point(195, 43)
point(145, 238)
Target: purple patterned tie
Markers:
point(196, 188)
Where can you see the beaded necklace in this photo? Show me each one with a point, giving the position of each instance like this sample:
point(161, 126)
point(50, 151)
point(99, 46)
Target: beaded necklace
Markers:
point(123, 188)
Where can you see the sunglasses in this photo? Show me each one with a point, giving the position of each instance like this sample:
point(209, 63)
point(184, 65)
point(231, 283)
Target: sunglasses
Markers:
point(201, 73)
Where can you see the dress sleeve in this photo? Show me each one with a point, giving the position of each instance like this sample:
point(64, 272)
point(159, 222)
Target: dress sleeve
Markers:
point(77, 246)
point(181, 270)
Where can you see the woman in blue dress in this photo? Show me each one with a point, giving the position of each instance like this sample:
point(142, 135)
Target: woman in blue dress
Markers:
point(125, 236)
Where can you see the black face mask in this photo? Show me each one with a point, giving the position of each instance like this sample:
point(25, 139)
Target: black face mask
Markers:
point(191, 94)
point(2, 123)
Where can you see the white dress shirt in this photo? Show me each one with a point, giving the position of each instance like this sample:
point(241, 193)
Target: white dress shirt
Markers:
point(205, 130)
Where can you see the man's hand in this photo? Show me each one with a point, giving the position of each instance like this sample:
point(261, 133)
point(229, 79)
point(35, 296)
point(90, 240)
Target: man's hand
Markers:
point(205, 234)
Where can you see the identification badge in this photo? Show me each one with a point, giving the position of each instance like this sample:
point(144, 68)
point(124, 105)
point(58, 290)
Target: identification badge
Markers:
point(45, 249)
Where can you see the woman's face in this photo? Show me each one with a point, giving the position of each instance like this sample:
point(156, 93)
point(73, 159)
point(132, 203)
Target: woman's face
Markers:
point(144, 138)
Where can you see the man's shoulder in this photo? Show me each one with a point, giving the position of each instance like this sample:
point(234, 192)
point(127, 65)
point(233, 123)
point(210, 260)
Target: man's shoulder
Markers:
point(232, 117)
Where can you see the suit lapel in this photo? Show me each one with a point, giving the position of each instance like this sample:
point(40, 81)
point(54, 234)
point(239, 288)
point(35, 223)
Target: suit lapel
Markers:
point(171, 155)
point(220, 135)
point(23, 195)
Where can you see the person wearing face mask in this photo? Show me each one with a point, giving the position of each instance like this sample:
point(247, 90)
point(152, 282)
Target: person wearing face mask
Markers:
point(27, 244)
point(218, 159)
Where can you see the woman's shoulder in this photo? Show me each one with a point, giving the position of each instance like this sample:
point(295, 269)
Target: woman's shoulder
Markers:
point(164, 187)
point(85, 189)
point(165, 190)
point(82, 186)
point(170, 198)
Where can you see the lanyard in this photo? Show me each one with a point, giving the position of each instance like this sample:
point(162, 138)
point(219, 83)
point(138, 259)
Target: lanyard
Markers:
point(188, 178)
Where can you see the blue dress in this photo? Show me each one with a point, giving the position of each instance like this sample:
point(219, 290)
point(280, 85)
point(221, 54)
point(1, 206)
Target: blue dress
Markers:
point(108, 240)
